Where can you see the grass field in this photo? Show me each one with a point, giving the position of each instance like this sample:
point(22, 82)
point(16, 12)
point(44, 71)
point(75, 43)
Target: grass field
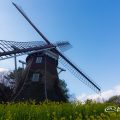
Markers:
point(57, 111)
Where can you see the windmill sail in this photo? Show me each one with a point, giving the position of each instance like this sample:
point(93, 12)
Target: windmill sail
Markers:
point(37, 30)
point(9, 48)
point(74, 69)
point(78, 73)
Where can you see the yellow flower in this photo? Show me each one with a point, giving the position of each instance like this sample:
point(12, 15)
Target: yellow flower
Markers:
point(54, 113)
point(62, 118)
point(76, 112)
point(70, 117)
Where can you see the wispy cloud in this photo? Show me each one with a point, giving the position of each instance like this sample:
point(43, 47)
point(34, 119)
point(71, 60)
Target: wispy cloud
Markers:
point(105, 95)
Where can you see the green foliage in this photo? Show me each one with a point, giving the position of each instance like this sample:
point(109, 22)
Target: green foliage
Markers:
point(17, 80)
point(115, 99)
point(63, 87)
point(56, 111)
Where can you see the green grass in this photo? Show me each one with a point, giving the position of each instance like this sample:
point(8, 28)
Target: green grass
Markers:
point(57, 111)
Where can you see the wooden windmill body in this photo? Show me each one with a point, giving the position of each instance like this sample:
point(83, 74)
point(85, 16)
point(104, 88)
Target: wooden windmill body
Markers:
point(40, 81)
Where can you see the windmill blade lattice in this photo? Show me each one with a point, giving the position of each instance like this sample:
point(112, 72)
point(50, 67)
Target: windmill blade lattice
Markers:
point(79, 74)
point(10, 48)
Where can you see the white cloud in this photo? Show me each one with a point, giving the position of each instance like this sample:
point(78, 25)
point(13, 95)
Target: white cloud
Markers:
point(3, 70)
point(105, 95)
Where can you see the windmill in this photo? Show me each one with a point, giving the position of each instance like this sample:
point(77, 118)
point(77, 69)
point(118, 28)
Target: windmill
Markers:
point(36, 50)
point(40, 77)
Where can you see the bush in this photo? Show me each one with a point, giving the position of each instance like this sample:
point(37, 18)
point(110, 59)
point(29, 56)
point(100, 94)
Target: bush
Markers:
point(56, 111)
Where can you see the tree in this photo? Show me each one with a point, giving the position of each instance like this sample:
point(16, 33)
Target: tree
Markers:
point(15, 81)
point(5, 89)
point(115, 99)
point(14, 77)
point(63, 86)
point(8, 83)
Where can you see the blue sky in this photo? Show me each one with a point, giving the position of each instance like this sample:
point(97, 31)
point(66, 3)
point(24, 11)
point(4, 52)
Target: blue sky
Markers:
point(91, 26)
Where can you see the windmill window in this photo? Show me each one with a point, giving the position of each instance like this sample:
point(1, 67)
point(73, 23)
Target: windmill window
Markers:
point(35, 77)
point(38, 59)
